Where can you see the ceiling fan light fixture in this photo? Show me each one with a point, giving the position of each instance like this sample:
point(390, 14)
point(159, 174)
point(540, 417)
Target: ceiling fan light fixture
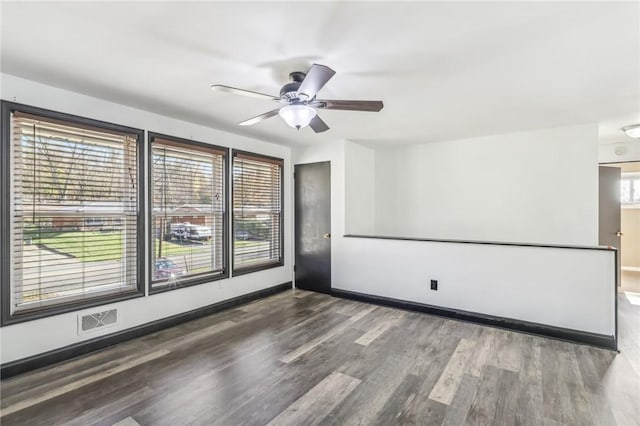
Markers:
point(632, 131)
point(297, 116)
point(298, 95)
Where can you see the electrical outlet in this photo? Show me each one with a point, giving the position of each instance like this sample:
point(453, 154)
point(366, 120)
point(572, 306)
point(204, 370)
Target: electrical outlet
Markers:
point(434, 284)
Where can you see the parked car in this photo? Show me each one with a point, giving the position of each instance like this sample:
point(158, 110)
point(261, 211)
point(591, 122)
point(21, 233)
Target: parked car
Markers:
point(242, 235)
point(166, 269)
point(187, 231)
point(197, 232)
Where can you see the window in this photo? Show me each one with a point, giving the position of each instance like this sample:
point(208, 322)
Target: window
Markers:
point(188, 205)
point(71, 209)
point(630, 188)
point(257, 212)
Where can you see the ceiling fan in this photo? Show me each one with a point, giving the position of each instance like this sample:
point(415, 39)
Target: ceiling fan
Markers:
point(299, 97)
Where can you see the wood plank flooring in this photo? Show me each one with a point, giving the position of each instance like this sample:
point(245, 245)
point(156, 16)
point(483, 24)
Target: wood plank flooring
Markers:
point(301, 358)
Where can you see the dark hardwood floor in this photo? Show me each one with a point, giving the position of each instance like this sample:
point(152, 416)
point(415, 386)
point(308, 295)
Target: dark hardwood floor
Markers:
point(301, 358)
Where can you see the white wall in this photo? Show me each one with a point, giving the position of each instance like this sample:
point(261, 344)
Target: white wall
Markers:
point(360, 202)
point(33, 337)
point(568, 288)
point(536, 187)
point(624, 150)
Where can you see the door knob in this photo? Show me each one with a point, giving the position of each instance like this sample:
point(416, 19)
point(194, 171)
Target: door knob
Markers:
point(326, 236)
point(619, 234)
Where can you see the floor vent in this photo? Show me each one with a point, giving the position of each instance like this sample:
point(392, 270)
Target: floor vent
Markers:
point(97, 320)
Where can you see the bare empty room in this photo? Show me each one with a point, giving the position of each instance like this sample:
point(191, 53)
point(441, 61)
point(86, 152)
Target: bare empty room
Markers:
point(320, 213)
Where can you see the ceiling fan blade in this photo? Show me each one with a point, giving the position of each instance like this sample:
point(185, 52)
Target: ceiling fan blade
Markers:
point(259, 118)
point(236, 91)
point(318, 125)
point(316, 78)
point(372, 106)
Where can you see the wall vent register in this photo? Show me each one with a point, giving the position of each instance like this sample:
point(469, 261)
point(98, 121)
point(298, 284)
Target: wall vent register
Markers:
point(97, 320)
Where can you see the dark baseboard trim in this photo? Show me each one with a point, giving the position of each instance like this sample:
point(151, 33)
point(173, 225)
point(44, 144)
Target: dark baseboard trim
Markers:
point(20, 366)
point(573, 336)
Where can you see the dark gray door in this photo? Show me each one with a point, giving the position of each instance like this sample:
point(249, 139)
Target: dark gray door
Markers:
point(609, 209)
point(312, 192)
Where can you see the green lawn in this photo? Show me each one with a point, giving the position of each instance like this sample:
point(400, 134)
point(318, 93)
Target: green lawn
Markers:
point(91, 246)
point(86, 246)
point(170, 249)
point(245, 243)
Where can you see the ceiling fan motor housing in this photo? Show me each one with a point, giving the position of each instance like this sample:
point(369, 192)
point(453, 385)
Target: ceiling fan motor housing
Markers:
point(297, 76)
point(290, 90)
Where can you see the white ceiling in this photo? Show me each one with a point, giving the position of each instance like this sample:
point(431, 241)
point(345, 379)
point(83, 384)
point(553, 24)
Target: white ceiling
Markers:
point(444, 70)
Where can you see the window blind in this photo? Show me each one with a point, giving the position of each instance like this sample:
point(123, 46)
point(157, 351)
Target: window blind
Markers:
point(188, 208)
point(257, 211)
point(74, 210)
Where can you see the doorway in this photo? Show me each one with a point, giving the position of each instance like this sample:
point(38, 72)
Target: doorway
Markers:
point(630, 226)
point(312, 206)
point(629, 246)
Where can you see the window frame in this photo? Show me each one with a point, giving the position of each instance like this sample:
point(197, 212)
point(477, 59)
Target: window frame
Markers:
point(634, 186)
point(195, 280)
point(9, 318)
point(250, 269)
